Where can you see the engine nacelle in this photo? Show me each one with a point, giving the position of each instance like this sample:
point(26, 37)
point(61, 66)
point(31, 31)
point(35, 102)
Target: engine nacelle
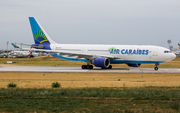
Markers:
point(133, 65)
point(101, 62)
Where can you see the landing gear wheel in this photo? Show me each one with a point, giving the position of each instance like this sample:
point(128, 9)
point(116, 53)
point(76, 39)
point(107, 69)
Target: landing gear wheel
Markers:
point(90, 67)
point(83, 66)
point(110, 67)
point(156, 68)
point(87, 67)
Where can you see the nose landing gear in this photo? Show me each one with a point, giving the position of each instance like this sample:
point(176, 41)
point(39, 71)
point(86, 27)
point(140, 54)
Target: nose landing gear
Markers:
point(156, 67)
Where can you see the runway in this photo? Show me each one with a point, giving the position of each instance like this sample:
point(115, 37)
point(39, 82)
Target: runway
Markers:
point(56, 69)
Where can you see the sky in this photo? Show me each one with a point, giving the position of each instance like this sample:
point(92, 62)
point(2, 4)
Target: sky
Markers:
point(123, 22)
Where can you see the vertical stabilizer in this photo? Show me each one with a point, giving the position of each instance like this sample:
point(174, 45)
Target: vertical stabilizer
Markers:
point(14, 45)
point(39, 34)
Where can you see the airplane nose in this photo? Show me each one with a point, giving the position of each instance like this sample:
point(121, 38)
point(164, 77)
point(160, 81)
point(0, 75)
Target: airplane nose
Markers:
point(170, 57)
point(173, 56)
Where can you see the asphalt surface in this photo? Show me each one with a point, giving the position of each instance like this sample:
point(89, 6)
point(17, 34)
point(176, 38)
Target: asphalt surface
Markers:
point(55, 69)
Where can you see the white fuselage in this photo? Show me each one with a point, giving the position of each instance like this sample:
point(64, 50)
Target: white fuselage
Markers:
point(122, 53)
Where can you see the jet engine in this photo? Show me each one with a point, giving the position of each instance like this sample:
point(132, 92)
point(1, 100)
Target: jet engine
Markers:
point(101, 62)
point(134, 65)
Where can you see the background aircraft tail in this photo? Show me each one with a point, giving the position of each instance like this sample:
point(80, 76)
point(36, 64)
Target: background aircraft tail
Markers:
point(39, 34)
point(15, 46)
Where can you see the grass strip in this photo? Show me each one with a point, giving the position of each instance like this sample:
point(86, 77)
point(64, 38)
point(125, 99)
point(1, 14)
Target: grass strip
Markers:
point(142, 93)
point(89, 100)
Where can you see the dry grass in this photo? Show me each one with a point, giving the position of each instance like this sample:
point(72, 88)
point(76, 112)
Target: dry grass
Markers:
point(80, 80)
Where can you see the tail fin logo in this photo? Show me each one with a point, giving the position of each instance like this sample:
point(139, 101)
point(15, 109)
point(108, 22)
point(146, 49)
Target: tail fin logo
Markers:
point(40, 37)
point(15, 46)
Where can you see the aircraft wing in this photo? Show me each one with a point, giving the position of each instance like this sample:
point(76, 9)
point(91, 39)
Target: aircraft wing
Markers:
point(71, 53)
point(23, 44)
point(27, 45)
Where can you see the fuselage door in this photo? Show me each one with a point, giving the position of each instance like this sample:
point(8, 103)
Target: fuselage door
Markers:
point(155, 52)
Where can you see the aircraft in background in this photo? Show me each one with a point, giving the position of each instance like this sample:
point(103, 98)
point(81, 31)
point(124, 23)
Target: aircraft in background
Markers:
point(3, 55)
point(22, 54)
point(99, 55)
point(14, 45)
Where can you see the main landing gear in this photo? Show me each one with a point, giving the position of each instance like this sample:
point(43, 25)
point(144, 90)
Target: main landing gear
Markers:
point(156, 67)
point(87, 66)
point(91, 67)
point(110, 67)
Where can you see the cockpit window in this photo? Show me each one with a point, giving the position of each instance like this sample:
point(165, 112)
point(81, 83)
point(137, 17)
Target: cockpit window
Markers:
point(167, 51)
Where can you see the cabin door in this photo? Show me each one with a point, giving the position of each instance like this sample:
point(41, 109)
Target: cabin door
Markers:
point(155, 52)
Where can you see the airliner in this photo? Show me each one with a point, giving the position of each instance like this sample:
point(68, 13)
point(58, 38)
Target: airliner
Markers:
point(99, 55)
point(21, 54)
